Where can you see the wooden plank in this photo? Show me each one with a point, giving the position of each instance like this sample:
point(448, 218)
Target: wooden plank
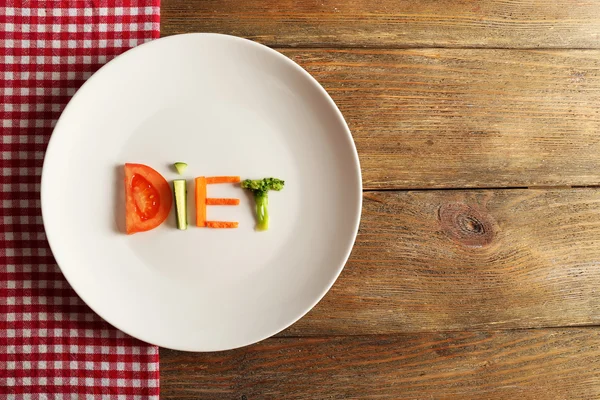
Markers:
point(392, 23)
point(461, 260)
point(532, 364)
point(444, 118)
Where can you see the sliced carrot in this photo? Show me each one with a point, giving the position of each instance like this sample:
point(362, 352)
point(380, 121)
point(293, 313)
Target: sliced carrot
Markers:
point(222, 202)
point(221, 224)
point(201, 201)
point(222, 179)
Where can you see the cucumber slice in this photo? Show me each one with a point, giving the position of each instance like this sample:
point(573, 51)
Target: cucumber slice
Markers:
point(180, 167)
point(180, 190)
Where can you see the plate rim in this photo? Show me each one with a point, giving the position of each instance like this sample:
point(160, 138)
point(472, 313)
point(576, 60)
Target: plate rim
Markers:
point(44, 186)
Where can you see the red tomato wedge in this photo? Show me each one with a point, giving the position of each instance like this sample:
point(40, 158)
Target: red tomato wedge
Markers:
point(148, 198)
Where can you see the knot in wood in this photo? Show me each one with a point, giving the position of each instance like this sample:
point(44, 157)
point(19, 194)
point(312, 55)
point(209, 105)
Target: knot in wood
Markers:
point(466, 225)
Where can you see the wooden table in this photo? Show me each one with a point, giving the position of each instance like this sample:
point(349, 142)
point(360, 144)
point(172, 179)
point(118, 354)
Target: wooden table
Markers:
point(476, 271)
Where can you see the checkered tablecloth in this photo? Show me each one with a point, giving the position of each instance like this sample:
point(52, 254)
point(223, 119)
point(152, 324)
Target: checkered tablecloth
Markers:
point(52, 346)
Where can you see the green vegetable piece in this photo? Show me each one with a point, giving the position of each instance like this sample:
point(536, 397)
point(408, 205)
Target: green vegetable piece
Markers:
point(180, 167)
point(180, 190)
point(260, 188)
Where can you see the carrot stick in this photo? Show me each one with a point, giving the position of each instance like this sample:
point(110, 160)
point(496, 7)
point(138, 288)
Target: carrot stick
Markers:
point(201, 201)
point(222, 202)
point(221, 224)
point(222, 179)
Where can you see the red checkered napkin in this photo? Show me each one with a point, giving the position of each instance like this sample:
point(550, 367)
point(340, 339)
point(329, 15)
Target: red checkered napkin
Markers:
point(52, 346)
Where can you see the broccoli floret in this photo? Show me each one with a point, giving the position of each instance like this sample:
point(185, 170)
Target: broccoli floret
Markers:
point(260, 188)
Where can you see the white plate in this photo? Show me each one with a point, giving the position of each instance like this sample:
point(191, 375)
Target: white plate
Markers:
point(226, 106)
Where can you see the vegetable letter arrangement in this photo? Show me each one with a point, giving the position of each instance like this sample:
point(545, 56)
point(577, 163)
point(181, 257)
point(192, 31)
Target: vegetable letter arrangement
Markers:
point(260, 188)
point(149, 198)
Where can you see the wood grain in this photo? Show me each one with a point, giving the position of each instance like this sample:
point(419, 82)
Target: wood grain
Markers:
point(392, 23)
point(532, 364)
point(460, 260)
point(441, 283)
point(442, 118)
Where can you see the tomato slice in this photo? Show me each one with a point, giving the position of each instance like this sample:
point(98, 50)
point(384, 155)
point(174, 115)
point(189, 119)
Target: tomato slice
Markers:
point(148, 198)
